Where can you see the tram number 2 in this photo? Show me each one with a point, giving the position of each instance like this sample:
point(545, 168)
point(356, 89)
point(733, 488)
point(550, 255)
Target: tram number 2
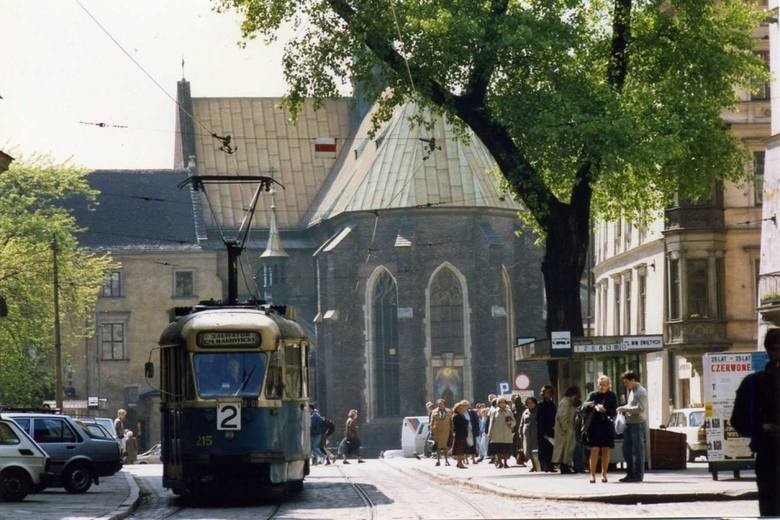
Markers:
point(229, 416)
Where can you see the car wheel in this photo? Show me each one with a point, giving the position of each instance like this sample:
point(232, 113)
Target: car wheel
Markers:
point(15, 484)
point(77, 478)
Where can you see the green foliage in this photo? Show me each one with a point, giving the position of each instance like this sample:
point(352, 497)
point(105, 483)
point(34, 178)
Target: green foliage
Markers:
point(546, 67)
point(31, 216)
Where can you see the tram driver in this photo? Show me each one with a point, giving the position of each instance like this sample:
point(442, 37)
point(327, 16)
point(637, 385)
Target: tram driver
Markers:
point(233, 378)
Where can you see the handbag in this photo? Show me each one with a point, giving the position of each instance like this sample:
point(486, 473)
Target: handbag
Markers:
point(620, 424)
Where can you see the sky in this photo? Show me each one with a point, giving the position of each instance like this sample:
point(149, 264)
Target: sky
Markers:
point(60, 70)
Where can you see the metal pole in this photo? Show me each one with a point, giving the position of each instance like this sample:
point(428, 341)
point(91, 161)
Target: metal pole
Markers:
point(57, 343)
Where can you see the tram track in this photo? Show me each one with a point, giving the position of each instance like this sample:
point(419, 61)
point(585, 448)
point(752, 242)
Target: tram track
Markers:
point(361, 493)
point(443, 487)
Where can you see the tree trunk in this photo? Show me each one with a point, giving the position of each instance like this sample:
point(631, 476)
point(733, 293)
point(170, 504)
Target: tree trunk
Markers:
point(563, 265)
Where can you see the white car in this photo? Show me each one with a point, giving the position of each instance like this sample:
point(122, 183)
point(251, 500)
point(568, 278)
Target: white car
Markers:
point(690, 421)
point(23, 463)
point(151, 456)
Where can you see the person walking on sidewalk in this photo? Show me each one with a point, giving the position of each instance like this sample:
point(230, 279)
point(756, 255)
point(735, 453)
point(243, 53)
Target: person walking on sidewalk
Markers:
point(529, 433)
point(461, 428)
point(635, 411)
point(441, 430)
point(600, 433)
point(502, 423)
point(563, 451)
point(545, 420)
point(316, 431)
point(756, 415)
point(351, 441)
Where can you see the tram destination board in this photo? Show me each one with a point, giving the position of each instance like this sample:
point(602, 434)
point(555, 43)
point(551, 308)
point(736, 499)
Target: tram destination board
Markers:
point(225, 339)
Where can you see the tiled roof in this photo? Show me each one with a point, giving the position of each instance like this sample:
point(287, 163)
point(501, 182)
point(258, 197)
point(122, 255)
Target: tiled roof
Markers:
point(136, 208)
point(406, 165)
point(268, 144)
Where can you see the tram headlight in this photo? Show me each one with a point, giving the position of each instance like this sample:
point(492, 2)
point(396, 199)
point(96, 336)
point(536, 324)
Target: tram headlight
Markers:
point(230, 435)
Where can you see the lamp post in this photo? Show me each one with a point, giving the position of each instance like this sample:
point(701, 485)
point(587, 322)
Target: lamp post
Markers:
point(57, 342)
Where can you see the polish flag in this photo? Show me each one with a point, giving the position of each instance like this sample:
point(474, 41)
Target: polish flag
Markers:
point(325, 144)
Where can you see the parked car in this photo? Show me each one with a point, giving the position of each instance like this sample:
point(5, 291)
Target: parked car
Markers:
point(690, 421)
point(78, 457)
point(106, 422)
point(151, 456)
point(414, 432)
point(23, 463)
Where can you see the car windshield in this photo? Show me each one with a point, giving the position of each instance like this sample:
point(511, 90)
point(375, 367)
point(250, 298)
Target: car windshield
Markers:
point(229, 374)
point(696, 419)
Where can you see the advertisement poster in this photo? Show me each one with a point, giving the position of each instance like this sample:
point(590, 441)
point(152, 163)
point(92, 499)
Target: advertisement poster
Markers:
point(723, 372)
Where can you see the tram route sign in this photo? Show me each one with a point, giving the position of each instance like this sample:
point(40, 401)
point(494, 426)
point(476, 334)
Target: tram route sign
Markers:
point(229, 415)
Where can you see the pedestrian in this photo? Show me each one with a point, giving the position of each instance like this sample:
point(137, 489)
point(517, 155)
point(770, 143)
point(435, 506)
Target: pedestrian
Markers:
point(756, 415)
point(482, 443)
point(563, 451)
point(473, 447)
point(635, 411)
point(601, 409)
point(351, 440)
point(329, 428)
point(119, 428)
point(317, 431)
point(441, 430)
point(131, 447)
point(545, 420)
point(529, 433)
point(462, 434)
point(500, 432)
point(429, 407)
point(517, 447)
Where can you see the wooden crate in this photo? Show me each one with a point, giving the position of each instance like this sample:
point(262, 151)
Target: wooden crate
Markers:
point(667, 449)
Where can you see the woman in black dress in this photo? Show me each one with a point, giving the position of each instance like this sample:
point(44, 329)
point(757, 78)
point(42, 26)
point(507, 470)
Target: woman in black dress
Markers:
point(601, 431)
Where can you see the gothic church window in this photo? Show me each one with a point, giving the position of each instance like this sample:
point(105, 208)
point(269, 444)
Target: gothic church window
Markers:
point(386, 365)
point(446, 314)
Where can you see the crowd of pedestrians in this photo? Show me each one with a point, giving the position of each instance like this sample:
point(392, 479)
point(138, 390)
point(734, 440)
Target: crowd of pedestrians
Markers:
point(544, 435)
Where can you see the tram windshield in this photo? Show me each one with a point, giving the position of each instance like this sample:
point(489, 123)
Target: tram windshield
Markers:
point(229, 374)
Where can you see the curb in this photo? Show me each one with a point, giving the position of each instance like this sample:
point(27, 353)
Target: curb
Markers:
point(632, 498)
point(128, 506)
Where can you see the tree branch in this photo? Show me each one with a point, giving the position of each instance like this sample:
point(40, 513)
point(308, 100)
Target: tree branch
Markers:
point(485, 59)
point(621, 35)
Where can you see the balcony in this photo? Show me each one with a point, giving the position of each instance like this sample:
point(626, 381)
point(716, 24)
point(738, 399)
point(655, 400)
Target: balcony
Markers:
point(769, 289)
point(696, 334)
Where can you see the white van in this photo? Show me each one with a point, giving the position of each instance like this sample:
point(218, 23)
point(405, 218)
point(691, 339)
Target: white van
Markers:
point(414, 431)
point(23, 462)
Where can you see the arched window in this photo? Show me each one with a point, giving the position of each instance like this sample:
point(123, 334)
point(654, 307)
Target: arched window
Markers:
point(385, 307)
point(446, 314)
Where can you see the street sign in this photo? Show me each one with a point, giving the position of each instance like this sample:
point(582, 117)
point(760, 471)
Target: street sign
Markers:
point(522, 381)
point(92, 402)
point(503, 387)
point(560, 343)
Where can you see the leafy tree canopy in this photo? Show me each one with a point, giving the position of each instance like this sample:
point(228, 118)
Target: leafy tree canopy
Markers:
point(589, 107)
point(32, 193)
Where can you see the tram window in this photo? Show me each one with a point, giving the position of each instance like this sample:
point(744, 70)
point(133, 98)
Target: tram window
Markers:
point(273, 382)
point(229, 374)
point(293, 383)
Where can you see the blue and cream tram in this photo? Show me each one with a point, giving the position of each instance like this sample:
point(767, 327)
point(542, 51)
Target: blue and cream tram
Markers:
point(234, 397)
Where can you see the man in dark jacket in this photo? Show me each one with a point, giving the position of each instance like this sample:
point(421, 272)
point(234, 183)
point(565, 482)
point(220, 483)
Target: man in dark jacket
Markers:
point(756, 415)
point(545, 420)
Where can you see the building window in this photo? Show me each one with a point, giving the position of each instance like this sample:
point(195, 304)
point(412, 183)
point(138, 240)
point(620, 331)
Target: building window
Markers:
point(627, 306)
point(618, 235)
point(617, 288)
point(446, 314)
point(604, 241)
point(112, 284)
point(698, 289)
point(758, 178)
point(272, 274)
point(183, 284)
point(112, 341)
point(674, 289)
point(386, 355)
point(641, 280)
point(760, 90)
point(604, 300)
point(628, 230)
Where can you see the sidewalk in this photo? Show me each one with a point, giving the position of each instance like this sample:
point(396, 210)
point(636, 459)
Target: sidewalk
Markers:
point(692, 484)
point(113, 499)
